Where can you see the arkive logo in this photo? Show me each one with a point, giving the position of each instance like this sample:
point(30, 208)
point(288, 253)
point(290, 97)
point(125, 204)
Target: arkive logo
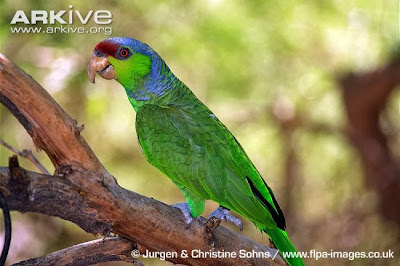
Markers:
point(61, 22)
point(100, 17)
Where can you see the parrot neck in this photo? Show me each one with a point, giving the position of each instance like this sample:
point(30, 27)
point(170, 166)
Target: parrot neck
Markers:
point(157, 87)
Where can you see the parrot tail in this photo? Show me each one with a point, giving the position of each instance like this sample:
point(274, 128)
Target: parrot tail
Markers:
point(285, 246)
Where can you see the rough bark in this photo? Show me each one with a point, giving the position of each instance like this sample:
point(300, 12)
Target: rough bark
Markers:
point(96, 251)
point(83, 192)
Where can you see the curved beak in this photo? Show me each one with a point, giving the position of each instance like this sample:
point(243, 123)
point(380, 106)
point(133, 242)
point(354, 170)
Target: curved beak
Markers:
point(101, 66)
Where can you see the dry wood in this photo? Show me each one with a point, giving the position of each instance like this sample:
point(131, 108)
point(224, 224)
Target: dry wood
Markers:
point(96, 251)
point(28, 154)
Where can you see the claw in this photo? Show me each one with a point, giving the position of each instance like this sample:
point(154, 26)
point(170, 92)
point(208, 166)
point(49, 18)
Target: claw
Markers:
point(223, 214)
point(184, 207)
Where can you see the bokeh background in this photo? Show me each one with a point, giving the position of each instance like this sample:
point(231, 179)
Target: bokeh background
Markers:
point(267, 69)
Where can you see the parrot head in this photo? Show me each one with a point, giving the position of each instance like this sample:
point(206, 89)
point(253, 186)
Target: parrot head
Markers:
point(124, 59)
point(138, 68)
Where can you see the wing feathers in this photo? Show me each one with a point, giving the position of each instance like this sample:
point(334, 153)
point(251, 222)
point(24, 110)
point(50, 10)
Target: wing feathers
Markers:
point(197, 151)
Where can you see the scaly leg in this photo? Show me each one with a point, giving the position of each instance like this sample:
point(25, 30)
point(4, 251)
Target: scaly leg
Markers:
point(194, 206)
point(184, 207)
point(223, 214)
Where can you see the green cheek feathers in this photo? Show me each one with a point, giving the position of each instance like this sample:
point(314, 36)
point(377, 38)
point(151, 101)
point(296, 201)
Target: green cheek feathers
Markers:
point(130, 71)
point(133, 103)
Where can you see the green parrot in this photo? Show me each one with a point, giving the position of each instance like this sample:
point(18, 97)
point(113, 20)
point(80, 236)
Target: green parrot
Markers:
point(181, 137)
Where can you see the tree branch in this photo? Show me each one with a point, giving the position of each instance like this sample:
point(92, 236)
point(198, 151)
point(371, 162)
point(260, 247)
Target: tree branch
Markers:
point(92, 252)
point(51, 129)
point(27, 154)
point(83, 192)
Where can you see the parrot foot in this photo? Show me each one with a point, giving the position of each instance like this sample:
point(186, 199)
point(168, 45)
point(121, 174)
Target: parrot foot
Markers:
point(184, 207)
point(223, 214)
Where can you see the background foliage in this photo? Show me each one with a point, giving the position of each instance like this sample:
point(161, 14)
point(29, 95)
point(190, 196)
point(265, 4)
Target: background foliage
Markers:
point(255, 64)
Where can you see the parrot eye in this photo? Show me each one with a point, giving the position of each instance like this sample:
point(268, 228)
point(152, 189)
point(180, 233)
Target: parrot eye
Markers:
point(98, 53)
point(124, 53)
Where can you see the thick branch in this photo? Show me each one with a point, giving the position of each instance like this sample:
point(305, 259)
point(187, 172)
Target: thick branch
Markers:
point(96, 251)
point(49, 126)
point(84, 193)
point(98, 208)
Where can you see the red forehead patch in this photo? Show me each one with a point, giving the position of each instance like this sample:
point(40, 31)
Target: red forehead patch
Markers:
point(107, 47)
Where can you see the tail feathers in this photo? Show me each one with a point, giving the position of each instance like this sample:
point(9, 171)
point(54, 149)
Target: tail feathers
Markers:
point(285, 246)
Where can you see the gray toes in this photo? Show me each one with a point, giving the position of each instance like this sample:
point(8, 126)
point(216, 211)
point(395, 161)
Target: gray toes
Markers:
point(223, 214)
point(184, 207)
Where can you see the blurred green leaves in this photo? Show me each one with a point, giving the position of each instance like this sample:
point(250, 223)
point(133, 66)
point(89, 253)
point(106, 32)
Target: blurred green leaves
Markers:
point(240, 58)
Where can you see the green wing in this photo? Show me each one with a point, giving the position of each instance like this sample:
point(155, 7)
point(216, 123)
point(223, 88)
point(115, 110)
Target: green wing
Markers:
point(199, 154)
